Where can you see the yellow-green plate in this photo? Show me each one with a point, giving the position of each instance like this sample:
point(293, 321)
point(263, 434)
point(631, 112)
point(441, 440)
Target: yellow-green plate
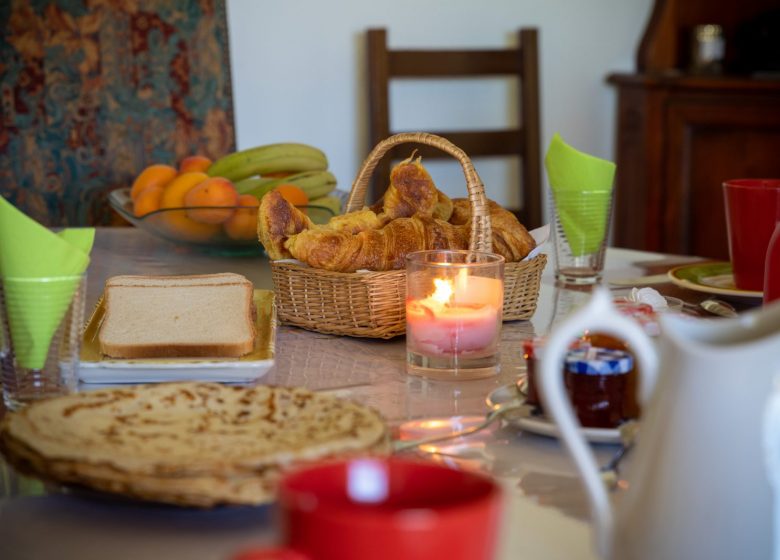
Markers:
point(96, 368)
point(710, 277)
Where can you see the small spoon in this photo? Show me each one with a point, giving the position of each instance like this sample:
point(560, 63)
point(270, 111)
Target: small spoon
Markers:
point(610, 473)
point(718, 307)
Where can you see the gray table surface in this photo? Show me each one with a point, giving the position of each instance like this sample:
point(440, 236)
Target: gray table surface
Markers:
point(545, 508)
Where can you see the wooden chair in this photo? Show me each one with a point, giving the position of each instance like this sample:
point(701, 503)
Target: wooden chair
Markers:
point(521, 141)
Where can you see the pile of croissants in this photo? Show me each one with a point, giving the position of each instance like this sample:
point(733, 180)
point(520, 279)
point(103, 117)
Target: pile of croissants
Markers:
point(413, 215)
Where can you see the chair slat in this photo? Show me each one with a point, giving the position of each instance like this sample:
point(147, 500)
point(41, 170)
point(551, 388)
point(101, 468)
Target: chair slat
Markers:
point(422, 63)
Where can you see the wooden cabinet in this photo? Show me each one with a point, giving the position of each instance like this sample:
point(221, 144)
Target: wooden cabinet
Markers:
point(680, 135)
point(678, 138)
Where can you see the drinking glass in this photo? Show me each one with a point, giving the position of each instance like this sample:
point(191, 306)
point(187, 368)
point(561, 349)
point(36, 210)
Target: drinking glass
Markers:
point(41, 322)
point(582, 219)
point(752, 210)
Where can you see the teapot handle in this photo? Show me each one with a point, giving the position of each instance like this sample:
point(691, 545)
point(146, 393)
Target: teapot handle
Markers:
point(598, 314)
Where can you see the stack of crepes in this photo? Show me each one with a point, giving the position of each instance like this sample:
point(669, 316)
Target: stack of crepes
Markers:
point(30, 252)
point(191, 443)
point(581, 187)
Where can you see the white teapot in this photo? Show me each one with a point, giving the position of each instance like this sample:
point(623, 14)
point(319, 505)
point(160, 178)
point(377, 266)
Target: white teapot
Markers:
point(698, 486)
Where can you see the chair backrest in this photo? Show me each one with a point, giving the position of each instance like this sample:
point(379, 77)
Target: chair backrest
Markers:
point(521, 140)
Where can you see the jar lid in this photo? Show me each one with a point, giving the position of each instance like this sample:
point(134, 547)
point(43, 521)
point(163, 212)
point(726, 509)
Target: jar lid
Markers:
point(599, 361)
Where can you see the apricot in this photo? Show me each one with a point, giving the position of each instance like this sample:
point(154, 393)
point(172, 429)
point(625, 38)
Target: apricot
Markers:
point(148, 200)
point(211, 202)
point(175, 220)
point(243, 224)
point(173, 193)
point(293, 194)
point(156, 174)
point(194, 163)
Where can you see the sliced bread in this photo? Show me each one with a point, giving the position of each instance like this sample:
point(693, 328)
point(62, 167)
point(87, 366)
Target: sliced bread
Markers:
point(208, 315)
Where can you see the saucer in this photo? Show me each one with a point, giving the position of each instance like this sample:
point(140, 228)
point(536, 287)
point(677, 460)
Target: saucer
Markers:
point(715, 277)
point(541, 425)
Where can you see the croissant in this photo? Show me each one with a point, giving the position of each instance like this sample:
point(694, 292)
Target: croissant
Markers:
point(510, 238)
point(277, 220)
point(412, 191)
point(382, 249)
point(377, 239)
point(375, 249)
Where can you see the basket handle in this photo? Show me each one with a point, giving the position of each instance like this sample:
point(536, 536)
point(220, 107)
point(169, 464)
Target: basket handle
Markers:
point(481, 232)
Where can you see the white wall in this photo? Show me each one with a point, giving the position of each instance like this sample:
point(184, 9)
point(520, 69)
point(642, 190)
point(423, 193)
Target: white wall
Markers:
point(299, 73)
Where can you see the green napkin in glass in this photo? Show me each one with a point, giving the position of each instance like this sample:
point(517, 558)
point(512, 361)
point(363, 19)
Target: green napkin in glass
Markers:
point(581, 186)
point(41, 271)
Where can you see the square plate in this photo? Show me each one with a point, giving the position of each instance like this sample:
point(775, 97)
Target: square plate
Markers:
point(96, 368)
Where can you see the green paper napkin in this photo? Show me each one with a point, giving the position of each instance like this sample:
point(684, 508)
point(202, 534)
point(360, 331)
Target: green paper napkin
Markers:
point(581, 186)
point(41, 271)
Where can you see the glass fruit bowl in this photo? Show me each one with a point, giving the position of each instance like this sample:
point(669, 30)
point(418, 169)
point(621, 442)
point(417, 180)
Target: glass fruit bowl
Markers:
point(236, 236)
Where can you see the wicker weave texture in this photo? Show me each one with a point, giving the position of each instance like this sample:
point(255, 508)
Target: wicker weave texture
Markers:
point(372, 304)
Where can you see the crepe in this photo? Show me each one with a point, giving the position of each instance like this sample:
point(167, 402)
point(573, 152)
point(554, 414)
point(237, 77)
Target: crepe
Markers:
point(190, 443)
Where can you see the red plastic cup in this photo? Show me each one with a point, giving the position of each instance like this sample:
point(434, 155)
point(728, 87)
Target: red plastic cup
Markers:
point(752, 210)
point(385, 509)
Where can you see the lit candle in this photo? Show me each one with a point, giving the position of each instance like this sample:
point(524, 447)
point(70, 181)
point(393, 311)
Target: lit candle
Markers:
point(458, 318)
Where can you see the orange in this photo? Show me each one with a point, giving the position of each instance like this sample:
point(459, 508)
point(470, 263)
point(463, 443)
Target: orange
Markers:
point(173, 193)
point(243, 224)
point(217, 193)
point(148, 200)
point(194, 163)
point(157, 174)
point(293, 194)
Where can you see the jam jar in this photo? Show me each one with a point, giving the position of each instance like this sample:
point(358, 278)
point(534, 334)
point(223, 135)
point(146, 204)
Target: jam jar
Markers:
point(595, 380)
point(631, 408)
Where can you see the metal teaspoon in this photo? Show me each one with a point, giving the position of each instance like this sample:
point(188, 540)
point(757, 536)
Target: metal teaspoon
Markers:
point(718, 307)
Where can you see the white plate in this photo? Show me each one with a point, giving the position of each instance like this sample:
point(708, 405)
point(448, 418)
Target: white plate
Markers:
point(540, 425)
point(95, 368)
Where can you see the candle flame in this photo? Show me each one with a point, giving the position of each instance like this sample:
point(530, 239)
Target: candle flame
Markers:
point(446, 289)
point(443, 292)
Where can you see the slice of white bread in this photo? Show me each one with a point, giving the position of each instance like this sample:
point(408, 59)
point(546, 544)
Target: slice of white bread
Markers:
point(209, 315)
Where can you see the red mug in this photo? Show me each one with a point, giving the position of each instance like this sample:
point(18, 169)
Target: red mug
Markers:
point(752, 209)
point(385, 509)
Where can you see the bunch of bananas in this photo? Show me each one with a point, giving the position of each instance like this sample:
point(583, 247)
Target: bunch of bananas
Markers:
point(261, 169)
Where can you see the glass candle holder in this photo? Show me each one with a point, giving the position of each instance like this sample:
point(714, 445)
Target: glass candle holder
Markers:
point(454, 302)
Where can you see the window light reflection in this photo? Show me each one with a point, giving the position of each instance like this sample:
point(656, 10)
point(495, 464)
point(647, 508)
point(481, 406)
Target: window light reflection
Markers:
point(367, 481)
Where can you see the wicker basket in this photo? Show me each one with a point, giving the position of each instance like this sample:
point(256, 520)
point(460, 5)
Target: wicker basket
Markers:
point(372, 304)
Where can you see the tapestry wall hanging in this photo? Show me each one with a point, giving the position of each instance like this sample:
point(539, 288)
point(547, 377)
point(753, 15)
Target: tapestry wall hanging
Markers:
point(92, 91)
